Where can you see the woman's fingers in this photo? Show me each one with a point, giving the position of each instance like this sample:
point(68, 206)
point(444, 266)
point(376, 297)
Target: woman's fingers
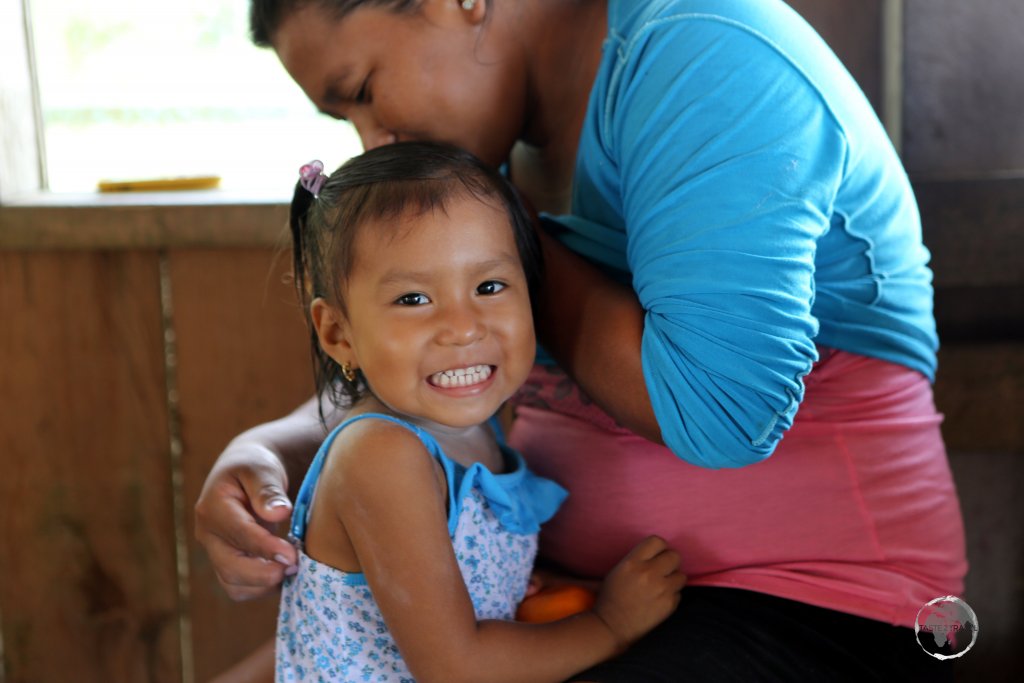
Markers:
point(266, 495)
point(248, 559)
point(242, 576)
point(234, 517)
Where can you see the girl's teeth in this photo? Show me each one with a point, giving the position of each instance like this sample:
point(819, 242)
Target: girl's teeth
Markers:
point(461, 377)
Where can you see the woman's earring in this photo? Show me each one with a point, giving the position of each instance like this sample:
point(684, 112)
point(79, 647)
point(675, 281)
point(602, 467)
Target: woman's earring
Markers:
point(347, 372)
point(468, 4)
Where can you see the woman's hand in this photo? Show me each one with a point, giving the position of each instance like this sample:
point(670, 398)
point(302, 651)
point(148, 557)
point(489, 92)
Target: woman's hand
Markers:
point(242, 502)
point(245, 498)
point(641, 591)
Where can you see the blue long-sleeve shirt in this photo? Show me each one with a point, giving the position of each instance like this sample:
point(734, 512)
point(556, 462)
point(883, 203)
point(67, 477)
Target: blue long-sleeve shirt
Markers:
point(734, 173)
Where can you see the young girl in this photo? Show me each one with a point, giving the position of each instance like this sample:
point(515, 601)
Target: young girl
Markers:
point(414, 262)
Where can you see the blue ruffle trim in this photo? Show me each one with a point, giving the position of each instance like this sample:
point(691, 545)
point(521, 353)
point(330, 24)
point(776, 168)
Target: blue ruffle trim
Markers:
point(520, 499)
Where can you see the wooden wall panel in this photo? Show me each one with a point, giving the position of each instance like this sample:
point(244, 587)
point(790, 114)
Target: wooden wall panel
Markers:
point(980, 390)
point(964, 91)
point(975, 231)
point(242, 360)
point(89, 588)
point(991, 488)
point(853, 29)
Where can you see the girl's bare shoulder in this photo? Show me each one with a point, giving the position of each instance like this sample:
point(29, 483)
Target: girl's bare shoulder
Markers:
point(373, 452)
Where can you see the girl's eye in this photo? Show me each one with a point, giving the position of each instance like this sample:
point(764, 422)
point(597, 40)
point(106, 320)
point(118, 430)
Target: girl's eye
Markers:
point(413, 299)
point(490, 287)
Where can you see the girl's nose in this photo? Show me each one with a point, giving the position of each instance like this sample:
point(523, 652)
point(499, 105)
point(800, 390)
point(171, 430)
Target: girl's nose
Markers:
point(460, 326)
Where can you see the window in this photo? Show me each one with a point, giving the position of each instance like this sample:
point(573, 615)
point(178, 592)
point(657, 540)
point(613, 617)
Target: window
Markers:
point(147, 89)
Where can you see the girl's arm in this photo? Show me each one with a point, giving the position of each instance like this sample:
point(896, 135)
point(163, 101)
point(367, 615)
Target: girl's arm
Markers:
point(245, 497)
point(387, 503)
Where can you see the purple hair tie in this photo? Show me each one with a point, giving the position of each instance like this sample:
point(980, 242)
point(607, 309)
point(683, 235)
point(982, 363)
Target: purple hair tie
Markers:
point(312, 177)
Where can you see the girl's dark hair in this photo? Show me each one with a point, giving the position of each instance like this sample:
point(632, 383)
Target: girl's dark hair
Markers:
point(266, 16)
point(384, 184)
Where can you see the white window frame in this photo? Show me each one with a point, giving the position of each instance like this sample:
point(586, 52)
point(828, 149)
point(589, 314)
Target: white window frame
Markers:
point(21, 143)
point(31, 218)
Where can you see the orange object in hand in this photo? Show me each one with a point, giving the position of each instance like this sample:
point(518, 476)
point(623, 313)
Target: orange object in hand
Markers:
point(552, 604)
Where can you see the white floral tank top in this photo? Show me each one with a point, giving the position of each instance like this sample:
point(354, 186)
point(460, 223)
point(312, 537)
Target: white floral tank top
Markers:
point(329, 626)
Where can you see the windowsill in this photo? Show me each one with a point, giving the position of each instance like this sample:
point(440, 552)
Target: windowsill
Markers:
point(165, 198)
point(143, 220)
point(230, 218)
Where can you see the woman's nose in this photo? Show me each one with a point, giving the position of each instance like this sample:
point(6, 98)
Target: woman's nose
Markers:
point(371, 133)
point(460, 326)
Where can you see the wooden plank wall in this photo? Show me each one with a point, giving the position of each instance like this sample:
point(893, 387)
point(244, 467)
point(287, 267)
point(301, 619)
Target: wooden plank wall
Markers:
point(89, 584)
point(100, 579)
point(963, 145)
point(89, 581)
point(242, 359)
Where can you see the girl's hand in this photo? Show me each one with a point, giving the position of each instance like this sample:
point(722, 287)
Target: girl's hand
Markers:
point(542, 579)
point(641, 591)
point(241, 503)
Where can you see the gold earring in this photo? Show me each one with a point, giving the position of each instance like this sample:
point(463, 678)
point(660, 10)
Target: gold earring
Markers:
point(347, 372)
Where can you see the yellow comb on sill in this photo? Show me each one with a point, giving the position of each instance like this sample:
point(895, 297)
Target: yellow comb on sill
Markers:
point(200, 182)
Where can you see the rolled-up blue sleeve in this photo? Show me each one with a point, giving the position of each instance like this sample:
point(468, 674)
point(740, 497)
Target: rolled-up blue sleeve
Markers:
point(729, 163)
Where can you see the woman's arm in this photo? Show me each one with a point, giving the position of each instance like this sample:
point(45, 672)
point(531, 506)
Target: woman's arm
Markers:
point(719, 168)
point(593, 326)
point(245, 497)
point(388, 502)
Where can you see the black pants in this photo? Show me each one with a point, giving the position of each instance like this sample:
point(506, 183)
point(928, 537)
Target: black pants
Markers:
point(726, 634)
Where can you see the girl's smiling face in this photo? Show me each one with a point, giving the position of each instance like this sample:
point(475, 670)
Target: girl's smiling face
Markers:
point(435, 73)
point(437, 313)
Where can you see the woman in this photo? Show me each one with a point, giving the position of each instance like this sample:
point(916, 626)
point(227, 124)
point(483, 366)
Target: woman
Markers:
point(736, 292)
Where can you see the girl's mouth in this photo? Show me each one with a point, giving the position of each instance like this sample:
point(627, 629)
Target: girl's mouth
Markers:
point(461, 377)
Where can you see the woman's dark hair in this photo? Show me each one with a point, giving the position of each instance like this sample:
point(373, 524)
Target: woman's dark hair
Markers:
point(380, 185)
point(266, 16)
